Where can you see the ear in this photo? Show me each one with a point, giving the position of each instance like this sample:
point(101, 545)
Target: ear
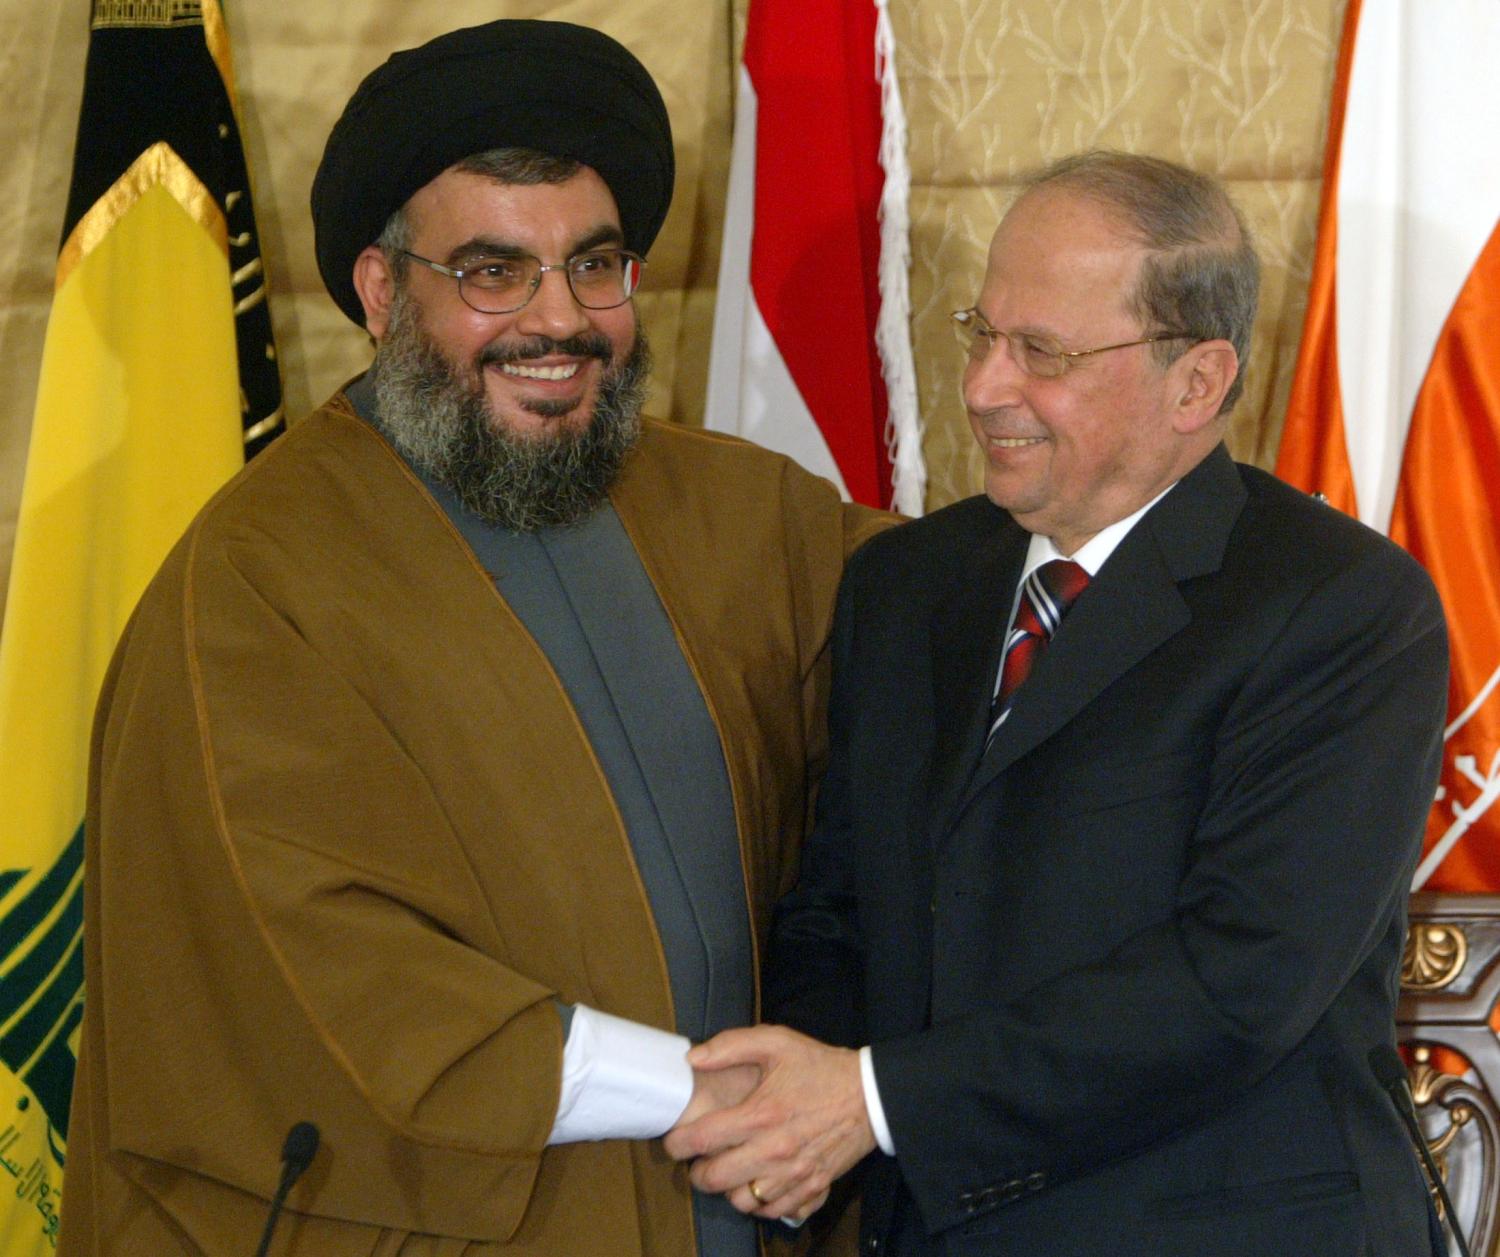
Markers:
point(1202, 377)
point(376, 287)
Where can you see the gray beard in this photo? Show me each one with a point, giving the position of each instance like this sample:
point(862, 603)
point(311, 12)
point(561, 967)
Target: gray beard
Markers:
point(444, 427)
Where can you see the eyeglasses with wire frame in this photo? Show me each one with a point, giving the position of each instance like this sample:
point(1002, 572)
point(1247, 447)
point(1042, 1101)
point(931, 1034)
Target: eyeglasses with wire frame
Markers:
point(599, 279)
point(1035, 355)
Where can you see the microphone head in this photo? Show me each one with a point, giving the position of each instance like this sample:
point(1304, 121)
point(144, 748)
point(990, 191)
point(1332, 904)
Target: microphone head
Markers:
point(1387, 1066)
point(300, 1147)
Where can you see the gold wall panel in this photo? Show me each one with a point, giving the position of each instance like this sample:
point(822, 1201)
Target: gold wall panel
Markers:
point(996, 87)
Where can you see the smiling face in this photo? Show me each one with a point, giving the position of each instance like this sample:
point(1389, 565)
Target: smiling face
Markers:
point(1069, 456)
point(540, 367)
point(528, 417)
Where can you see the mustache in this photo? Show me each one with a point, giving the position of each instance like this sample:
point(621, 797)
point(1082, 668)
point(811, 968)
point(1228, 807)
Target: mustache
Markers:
point(584, 345)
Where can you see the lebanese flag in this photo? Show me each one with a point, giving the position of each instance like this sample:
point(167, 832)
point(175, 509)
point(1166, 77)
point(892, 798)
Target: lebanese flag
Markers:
point(811, 351)
point(1395, 407)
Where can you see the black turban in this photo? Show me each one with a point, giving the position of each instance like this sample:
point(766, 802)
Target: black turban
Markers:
point(560, 89)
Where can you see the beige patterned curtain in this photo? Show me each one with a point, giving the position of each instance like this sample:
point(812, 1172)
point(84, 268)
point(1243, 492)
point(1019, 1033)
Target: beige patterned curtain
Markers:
point(1236, 87)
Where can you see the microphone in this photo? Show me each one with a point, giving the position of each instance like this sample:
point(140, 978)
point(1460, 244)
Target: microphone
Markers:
point(297, 1152)
point(1390, 1073)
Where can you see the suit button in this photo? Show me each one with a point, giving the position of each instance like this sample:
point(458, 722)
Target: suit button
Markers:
point(872, 1245)
point(1035, 1182)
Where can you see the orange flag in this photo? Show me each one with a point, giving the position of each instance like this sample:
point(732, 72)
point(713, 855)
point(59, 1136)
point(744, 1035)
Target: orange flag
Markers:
point(1395, 408)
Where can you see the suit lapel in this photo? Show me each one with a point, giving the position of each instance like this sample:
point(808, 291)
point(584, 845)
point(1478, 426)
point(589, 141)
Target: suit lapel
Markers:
point(1131, 608)
point(967, 635)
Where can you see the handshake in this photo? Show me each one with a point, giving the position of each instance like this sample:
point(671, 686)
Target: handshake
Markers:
point(774, 1119)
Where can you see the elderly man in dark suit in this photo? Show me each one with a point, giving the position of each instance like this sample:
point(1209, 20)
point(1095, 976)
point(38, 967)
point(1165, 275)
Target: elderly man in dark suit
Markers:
point(1098, 930)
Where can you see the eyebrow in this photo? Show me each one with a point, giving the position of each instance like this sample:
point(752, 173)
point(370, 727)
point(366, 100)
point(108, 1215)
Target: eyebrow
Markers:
point(605, 235)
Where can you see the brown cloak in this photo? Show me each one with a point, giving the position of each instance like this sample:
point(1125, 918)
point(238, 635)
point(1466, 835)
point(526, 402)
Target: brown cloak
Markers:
point(347, 840)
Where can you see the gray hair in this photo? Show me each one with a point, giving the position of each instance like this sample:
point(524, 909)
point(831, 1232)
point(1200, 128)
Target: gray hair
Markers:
point(524, 166)
point(1202, 275)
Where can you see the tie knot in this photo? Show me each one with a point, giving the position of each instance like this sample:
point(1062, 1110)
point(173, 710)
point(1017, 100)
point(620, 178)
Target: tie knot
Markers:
point(1052, 589)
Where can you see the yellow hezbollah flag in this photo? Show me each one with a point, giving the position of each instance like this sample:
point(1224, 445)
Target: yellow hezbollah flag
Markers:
point(158, 375)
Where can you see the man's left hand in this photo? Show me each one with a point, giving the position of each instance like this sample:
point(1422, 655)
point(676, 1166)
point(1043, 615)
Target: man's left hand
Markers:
point(776, 1153)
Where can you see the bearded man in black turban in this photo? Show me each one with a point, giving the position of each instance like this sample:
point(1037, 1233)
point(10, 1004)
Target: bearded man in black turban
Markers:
point(447, 772)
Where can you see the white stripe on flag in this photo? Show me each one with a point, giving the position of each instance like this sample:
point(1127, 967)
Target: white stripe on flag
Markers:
point(1419, 182)
point(750, 391)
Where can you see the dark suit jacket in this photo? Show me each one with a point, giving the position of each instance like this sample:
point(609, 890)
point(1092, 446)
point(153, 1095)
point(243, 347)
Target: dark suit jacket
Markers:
point(1122, 974)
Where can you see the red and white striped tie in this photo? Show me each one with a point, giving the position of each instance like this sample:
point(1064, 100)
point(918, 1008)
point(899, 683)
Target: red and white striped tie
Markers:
point(1046, 596)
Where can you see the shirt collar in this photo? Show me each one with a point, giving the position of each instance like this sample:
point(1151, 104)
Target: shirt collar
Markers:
point(1090, 556)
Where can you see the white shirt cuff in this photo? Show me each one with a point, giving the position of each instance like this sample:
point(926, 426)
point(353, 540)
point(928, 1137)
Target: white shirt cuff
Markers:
point(872, 1103)
point(620, 1079)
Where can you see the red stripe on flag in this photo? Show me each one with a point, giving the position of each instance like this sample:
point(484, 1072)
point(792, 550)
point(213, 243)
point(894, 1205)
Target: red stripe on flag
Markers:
point(816, 251)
